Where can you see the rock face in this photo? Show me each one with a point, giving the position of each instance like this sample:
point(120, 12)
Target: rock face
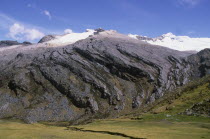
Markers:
point(201, 63)
point(105, 75)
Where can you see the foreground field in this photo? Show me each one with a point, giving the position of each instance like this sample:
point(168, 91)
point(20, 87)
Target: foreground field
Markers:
point(106, 129)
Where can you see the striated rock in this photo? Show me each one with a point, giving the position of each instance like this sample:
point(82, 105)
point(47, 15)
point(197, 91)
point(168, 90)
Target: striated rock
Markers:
point(105, 75)
point(201, 63)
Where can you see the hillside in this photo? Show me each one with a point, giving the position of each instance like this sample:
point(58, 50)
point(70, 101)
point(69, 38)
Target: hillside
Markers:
point(105, 75)
point(188, 103)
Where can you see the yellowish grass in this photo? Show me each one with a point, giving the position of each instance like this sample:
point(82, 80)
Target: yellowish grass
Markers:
point(19, 130)
point(186, 100)
point(133, 128)
point(152, 130)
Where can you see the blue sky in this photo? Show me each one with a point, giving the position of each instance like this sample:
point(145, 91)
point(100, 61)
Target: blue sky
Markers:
point(31, 19)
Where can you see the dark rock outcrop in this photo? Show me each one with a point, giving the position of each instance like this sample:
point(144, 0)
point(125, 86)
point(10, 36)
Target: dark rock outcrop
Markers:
point(200, 62)
point(7, 43)
point(105, 75)
point(47, 38)
point(26, 43)
point(97, 31)
point(143, 38)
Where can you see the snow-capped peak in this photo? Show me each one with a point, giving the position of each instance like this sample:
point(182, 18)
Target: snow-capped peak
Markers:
point(90, 30)
point(169, 35)
point(70, 38)
point(181, 43)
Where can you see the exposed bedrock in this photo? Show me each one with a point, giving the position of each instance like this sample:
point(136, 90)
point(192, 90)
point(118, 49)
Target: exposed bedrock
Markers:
point(99, 77)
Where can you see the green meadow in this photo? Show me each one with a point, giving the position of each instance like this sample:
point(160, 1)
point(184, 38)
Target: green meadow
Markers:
point(108, 129)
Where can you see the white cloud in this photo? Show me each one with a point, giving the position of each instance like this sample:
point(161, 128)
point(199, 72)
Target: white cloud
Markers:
point(20, 32)
point(47, 13)
point(29, 31)
point(67, 31)
point(189, 2)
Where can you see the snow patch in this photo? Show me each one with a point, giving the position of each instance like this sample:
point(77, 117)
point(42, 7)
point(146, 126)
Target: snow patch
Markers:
point(71, 38)
point(181, 43)
point(134, 36)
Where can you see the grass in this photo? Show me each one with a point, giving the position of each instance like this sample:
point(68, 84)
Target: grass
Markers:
point(185, 101)
point(170, 107)
point(19, 130)
point(161, 129)
point(107, 129)
point(171, 118)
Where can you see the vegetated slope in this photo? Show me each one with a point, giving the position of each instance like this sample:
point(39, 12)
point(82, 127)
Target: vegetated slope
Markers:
point(105, 75)
point(188, 103)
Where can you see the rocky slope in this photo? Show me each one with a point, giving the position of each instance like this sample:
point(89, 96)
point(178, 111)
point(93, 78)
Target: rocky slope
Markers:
point(104, 75)
point(192, 99)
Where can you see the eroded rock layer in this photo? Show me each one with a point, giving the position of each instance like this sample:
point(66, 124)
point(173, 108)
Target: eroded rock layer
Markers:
point(105, 75)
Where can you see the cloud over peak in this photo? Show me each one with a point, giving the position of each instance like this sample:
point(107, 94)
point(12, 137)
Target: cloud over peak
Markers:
point(67, 31)
point(20, 32)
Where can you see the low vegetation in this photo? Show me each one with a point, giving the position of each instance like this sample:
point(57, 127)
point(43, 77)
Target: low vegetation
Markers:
point(192, 99)
point(106, 129)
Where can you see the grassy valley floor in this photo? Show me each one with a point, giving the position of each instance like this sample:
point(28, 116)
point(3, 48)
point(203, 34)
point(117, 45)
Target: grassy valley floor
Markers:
point(108, 129)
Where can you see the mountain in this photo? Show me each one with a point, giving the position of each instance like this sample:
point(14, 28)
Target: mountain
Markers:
point(95, 74)
point(181, 43)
